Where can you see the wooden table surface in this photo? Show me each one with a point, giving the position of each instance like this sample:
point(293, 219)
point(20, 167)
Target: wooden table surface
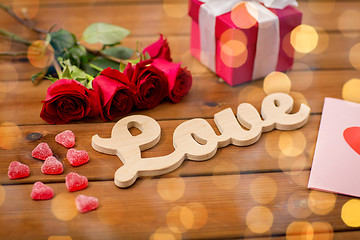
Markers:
point(255, 192)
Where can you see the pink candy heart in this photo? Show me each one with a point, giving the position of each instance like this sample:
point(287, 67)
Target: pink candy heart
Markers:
point(77, 157)
point(18, 170)
point(75, 182)
point(52, 166)
point(42, 151)
point(41, 192)
point(85, 203)
point(66, 138)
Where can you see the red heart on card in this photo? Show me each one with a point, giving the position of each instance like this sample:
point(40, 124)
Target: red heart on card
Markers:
point(85, 203)
point(75, 182)
point(352, 137)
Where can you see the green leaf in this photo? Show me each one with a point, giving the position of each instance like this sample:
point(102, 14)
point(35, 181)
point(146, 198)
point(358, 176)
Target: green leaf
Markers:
point(37, 75)
point(135, 61)
point(62, 40)
point(119, 52)
point(122, 67)
point(48, 38)
point(104, 33)
point(101, 63)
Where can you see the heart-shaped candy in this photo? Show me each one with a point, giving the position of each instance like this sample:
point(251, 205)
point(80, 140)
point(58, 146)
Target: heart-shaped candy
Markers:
point(52, 166)
point(42, 151)
point(85, 203)
point(352, 137)
point(41, 192)
point(66, 138)
point(75, 182)
point(77, 157)
point(18, 170)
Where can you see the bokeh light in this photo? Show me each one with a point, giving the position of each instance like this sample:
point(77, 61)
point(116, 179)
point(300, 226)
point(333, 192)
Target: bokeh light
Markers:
point(40, 54)
point(321, 7)
point(233, 48)
point(2, 194)
point(259, 219)
point(292, 165)
point(350, 213)
point(253, 95)
point(293, 143)
point(171, 189)
point(304, 38)
point(263, 189)
point(301, 80)
point(241, 16)
point(232, 180)
point(272, 144)
point(354, 56)
point(179, 219)
point(351, 89)
point(298, 205)
point(322, 231)
point(59, 238)
point(25, 8)
point(10, 135)
point(9, 78)
point(277, 82)
point(175, 9)
point(348, 22)
point(164, 233)
point(321, 203)
point(107, 214)
point(299, 231)
point(63, 207)
point(199, 214)
point(323, 42)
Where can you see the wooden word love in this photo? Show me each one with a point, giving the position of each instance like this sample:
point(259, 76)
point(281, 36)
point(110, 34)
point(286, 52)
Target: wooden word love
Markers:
point(195, 139)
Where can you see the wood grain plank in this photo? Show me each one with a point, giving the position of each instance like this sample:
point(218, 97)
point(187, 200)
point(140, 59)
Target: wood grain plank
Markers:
point(213, 207)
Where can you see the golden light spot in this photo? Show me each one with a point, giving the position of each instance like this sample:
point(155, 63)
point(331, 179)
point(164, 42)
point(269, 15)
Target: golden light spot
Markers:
point(231, 34)
point(272, 144)
point(351, 89)
point(298, 205)
point(59, 238)
point(10, 135)
point(259, 219)
point(63, 206)
point(241, 17)
point(321, 203)
point(292, 144)
point(176, 10)
point(171, 189)
point(323, 42)
point(347, 22)
point(299, 231)
point(253, 95)
point(350, 213)
point(179, 219)
point(2, 195)
point(287, 47)
point(300, 178)
point(292, 165)
point(277, 82)
point(263, 189)
point(108, 215)
point(322, 231)
point(164, 233)
point(321, 7)
point(354, 56)
point(304, 38)
point(199, 215)
point(233, 53)
point(40, 54)
point(231, 180)
point(9, 78)
point(301, 80)
point(25, 8)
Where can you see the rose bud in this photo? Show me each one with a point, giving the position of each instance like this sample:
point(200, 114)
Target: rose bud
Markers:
point(159, 49)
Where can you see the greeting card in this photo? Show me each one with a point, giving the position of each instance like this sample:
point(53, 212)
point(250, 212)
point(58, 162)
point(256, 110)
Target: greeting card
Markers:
point(336, 163)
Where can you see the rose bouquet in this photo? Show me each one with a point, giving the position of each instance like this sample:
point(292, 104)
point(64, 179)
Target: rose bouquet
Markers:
point(104, 83)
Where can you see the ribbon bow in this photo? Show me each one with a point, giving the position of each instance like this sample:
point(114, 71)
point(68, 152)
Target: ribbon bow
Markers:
point(268, 43)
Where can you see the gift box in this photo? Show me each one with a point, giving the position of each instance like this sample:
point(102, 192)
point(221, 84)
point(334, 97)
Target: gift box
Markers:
point(242, 40)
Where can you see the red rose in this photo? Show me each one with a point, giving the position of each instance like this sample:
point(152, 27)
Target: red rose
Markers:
point(159, 49)
point(113, 93)
point(67, 100)
point(151, 84)
point(180, 79)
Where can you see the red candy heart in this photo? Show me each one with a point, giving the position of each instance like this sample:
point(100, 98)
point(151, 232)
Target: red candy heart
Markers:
point(77, 157)
point(75, 182)
point(52, 166)
point(42, 151)
point(66, 138)
point(85, 203)
point(18, 170)
point(352, 137)
point(41, 192)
